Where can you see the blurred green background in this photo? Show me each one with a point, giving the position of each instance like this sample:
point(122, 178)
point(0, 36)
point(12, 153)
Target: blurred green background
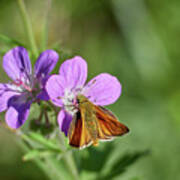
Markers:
point(139, 42)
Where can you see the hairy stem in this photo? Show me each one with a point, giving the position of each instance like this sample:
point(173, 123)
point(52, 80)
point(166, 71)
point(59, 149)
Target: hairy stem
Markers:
point(69, 159)
point(27, 27)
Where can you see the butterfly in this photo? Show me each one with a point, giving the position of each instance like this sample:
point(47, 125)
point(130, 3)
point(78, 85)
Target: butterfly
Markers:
point(92, 124)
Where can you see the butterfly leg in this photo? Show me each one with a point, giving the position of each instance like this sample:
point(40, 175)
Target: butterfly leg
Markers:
point(95, 142)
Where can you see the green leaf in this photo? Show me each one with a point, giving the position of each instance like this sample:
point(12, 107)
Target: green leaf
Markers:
point(134, 178)
point(45, 142)
point(10, 41)
point(36, 154)
point(123, 163)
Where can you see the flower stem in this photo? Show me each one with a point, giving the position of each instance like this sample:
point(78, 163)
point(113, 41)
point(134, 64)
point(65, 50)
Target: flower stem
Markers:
point(45, 25)
point(68, 157)
point(53, 107)
point(27, 27)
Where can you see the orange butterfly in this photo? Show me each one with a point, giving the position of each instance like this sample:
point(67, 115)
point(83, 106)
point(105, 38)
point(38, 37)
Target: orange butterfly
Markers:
point(93, 123)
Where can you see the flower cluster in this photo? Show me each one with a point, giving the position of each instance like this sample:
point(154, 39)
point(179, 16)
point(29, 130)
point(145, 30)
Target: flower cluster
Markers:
point(29, 86)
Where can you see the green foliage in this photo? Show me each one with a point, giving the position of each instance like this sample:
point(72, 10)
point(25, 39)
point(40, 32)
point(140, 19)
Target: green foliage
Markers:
point(49, 144)
point(135, 40)
point(36, 154)
point(9, 41)
point(122, 164)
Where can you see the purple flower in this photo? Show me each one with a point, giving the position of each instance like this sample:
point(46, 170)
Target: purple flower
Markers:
point(63, 88)
point(27, 86)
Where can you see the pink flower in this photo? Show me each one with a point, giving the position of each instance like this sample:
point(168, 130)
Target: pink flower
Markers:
point(63, 89)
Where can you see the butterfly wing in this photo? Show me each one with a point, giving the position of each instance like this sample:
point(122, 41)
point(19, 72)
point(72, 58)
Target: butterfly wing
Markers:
point(79, 136)
point(108, 124)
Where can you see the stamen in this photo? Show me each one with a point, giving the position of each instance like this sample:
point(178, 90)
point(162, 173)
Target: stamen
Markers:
point(20, 83)
point(70, 100)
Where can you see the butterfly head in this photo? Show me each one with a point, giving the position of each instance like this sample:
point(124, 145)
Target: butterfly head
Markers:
point(81, 99)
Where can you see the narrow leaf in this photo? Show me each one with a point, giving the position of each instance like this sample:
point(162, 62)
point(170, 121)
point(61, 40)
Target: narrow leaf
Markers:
point(10, 41)
point(45, 142)
point(123, 163)
point(36, 154)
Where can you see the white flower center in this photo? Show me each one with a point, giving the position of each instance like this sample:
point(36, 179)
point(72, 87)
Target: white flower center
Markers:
point(31, 86)
point(14, 87)
point(69, 100)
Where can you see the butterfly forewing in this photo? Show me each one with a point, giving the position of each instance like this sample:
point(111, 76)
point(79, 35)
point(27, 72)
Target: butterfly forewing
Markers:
point(109, 126)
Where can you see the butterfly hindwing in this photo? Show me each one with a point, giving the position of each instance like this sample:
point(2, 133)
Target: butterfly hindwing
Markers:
point(75, 131)
point(109, 126)
point(78, 134)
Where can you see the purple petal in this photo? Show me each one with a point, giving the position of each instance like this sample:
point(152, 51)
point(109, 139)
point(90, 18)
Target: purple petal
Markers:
point(64, 120)
point(14, 118)
point(4, 98)
point(74, 72)
point(5, 94)
point(55, 89)
point(45, 63)
point(103, 89)
point(18, 111)
point(16, 64)
point(43, 95)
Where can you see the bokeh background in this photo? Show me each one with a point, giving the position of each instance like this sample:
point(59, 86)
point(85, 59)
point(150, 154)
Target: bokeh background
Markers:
point(139, 42)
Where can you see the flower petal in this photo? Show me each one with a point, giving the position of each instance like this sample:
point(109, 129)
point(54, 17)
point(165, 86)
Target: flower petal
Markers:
point(18, 111)
point(64, 120)
point(43, 95)
point(16, 118)
point(16, 64)
point(45, 63)
point(74, 72)
point(55, 89)
point(4, 98)
point(103, 89)
point(5, 94)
